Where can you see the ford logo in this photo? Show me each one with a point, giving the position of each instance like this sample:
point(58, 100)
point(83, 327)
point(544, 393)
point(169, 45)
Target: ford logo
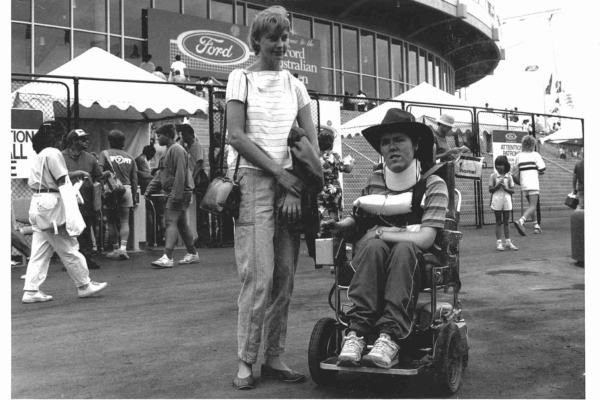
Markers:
point(213, 47)
point(510, 136)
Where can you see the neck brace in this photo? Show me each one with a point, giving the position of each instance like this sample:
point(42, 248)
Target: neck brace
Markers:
point(401, 181)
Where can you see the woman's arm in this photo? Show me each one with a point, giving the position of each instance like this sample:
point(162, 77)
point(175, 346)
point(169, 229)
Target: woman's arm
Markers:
point(251, 152)
point(423, 239)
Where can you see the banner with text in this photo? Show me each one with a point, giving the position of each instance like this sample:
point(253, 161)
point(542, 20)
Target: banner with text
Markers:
point(507, 143)
point(24, 124)
point(211, 48)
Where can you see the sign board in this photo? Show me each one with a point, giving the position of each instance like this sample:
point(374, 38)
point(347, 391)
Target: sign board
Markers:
point(212, 48)
point(24, 124)
point(507, 143)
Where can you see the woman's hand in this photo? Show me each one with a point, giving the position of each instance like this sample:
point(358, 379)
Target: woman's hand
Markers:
point(291, 209)
point(290, 183)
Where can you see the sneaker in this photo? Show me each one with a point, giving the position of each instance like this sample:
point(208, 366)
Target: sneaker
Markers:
point(118, 254)
point(352, 348)
point(189, 258)
point(163, 262)
point(92, 288)
point(537, 229)
point(36, 297)
point(509, 245)
point(384, 353)
point(520, 225)
point(499, 245)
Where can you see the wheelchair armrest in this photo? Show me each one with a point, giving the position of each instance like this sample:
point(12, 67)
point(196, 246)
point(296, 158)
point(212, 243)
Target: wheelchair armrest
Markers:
point(446, 237)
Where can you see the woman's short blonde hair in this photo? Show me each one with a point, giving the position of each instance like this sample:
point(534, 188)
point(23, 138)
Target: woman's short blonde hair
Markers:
point(528, 143)
point(275, 18)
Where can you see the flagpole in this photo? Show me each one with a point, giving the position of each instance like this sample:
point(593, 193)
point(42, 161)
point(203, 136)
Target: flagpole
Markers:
point(552, 43)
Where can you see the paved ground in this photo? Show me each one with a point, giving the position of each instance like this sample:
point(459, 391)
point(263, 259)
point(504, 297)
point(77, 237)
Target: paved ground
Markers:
point(171, 333)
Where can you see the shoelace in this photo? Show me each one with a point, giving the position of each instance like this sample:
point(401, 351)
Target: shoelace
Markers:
point(382, 343)
point(352, 342)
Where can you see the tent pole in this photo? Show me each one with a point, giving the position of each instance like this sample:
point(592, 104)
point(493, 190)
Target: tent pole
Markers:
point(76, 101)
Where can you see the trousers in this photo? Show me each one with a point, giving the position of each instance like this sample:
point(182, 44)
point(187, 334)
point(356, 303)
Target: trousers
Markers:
point(266, 255)
point(385, 287)
point(42, 246)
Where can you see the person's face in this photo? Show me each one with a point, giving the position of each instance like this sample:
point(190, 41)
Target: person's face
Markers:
point(82, 143)
point(444, 129)
point(500, 168)
point(273, 46)
point(163, 140)
point(397, 150)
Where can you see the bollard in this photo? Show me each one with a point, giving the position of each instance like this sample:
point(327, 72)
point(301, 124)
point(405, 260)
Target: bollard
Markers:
point(578, 235)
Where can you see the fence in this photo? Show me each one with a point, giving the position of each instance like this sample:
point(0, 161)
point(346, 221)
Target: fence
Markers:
point(474, 126)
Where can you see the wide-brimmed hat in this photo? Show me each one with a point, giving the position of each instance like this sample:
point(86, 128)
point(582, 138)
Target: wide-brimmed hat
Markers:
point(398, 120)
point(446, 119)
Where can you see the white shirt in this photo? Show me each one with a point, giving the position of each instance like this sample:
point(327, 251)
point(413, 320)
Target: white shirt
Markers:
point(274, 100)
point(178, 66)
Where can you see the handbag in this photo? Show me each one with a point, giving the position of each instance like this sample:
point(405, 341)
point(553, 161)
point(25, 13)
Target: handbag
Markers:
point(572, 200)
point(46, 212)
point(468, 167)
point(224, 194)
point(113, 184)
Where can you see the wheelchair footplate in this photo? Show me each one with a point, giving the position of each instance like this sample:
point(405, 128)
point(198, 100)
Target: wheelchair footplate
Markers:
point(406, 369)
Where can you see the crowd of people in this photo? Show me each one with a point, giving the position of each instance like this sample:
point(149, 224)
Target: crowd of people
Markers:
point(264, 102)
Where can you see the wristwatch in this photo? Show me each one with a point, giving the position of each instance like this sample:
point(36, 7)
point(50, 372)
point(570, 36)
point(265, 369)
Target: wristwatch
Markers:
point(378, 233)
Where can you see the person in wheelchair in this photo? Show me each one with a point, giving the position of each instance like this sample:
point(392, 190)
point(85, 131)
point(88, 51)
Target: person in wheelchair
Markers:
point(407, 207)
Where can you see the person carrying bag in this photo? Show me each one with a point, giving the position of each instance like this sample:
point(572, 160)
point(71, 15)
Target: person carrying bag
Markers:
point(55, 218)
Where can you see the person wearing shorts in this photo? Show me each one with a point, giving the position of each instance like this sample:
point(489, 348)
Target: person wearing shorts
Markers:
point(502, 187)
point(122, 164)
point(175, 179)
point(529, 167)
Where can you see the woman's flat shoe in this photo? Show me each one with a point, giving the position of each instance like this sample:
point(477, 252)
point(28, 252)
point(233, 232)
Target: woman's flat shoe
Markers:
point(246, 383)
point(284, 376)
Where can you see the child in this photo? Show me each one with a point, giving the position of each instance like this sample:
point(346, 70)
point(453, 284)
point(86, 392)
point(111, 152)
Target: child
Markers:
point(529, 166)
point(501, 187)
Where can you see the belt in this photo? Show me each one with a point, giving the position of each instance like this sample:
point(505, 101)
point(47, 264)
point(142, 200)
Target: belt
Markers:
point(46, 191)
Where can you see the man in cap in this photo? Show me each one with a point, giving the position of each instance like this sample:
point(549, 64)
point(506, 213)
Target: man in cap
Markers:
point(387, 273)
point(445, 124)
point(78, 159)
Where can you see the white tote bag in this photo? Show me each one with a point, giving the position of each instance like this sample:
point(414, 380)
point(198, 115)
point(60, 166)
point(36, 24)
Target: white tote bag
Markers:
point(75, 223)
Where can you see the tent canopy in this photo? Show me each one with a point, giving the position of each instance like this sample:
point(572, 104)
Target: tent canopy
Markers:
point(425, 93)
point(567, 135)
point(113, 100)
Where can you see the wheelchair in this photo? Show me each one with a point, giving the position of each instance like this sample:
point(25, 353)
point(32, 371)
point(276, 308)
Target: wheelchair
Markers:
point(438, 342)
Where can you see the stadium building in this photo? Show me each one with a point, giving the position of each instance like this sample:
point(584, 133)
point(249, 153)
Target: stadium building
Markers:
point(382, 47)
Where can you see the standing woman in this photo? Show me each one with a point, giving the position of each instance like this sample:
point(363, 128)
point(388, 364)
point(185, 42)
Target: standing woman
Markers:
point(263, 101)
point(47, 174)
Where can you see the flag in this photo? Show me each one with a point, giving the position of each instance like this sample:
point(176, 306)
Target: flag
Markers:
point(549, 87)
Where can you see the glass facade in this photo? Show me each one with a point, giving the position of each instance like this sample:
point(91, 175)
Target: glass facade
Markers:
point(352, 58)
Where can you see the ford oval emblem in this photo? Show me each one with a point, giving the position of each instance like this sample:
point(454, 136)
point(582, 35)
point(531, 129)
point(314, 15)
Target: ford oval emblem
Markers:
point(510, 136)
point(213, 47)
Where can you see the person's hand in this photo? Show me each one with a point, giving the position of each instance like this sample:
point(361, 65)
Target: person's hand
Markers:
point(290, 183)
point(291, 209)
point(464, 149)
point(81, 174)
point(105, 174)
point(331, 226)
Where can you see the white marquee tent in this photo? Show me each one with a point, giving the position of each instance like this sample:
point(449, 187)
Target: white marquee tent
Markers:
point(112, 100)
point(425, 93)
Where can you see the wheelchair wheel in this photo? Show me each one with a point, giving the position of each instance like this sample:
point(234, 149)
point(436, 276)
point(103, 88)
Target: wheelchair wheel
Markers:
point(448, 358)
point(465, 349)
point(323, 344)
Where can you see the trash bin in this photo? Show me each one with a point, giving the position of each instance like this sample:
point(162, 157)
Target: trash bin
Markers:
point(578, 235)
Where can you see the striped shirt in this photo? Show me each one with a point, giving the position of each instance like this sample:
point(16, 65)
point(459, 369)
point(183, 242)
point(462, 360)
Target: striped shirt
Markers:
point(274, 99)
point(434, 203)
point(531, 166)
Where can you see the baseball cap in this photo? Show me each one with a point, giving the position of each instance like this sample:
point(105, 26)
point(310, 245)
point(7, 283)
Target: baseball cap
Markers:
point(76, 134)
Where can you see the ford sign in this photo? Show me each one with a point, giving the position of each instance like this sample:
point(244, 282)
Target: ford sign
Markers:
point(213, 47)
point(510, 136)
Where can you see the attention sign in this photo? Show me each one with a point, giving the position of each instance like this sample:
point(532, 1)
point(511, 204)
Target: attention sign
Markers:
point(507, 143)
point(24, 124)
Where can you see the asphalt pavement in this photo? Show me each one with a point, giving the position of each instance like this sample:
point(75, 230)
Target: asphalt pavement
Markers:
point(171, 333)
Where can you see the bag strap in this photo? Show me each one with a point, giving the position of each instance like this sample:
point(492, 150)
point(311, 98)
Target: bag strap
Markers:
point(222, 153)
